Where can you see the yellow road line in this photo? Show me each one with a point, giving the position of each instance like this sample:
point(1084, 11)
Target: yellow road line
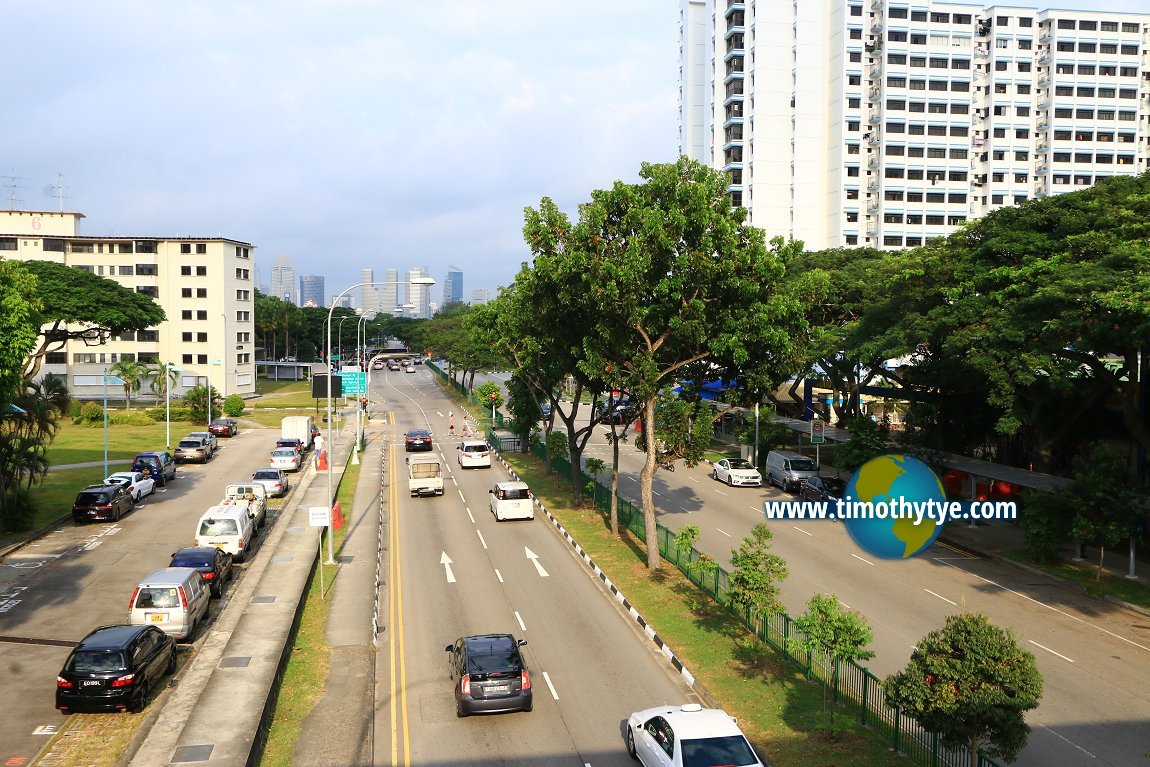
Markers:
point(392, 596)
point(402, 640)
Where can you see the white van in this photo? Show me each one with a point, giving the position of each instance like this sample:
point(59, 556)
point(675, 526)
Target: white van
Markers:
point(473, 452)
point(173, 599)
point(788, 469)
point(512, 500)
point(229, 528)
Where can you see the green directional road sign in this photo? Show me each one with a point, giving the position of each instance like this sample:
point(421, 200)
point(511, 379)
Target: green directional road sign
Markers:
point(354, 384)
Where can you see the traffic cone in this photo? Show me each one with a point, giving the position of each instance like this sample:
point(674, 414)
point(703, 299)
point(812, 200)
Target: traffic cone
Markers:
point(321, 461)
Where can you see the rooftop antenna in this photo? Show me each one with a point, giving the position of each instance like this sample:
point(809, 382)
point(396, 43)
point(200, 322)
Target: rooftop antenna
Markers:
point(10, 182)
point(57, 191)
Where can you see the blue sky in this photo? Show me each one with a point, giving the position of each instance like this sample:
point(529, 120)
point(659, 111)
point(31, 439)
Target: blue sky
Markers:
point(344, 134)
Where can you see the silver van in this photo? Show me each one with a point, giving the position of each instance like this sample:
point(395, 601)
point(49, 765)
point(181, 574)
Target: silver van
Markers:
point(788, 469)
point(228, 528)
point(173, 599)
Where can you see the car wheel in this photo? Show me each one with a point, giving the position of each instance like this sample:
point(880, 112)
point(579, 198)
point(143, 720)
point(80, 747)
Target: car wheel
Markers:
point(140, 700)
point(459, 712)
point(714, 474)
point(631, 744)
point(172, 662)
point(730, 482)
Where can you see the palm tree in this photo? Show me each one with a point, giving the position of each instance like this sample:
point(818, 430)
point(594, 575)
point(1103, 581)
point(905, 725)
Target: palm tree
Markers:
point(166, 375)
point(132, 374)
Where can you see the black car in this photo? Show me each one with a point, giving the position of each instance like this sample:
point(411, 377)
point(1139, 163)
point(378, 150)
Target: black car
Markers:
point(114, 668)
point(545, 410)
point(821, 489)
point(108, 502)
point(417, 439)
point(213, 564)
point(616, 411)
point(490, 674)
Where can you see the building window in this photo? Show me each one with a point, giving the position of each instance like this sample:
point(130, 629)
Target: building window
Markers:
point(851, 239)
point(243, 338)
point(935, 220)
point(186, 314)
point(935, 197)
point(185, 292)
point(893, 58)
point(147, 270)
point(201, 338)
point(56, 358)
point(918, 62)
point(896, 105)
point(245, 274)
point(914, 174)
point(896, 82)
point(892, 240)
point(185, 248)
point(852, 216)
point(185, 271)
point(896, 37)
point(892, 218)
point(201, 359)
point(148, 336)
point(201, 248)
point(127, 271)
point(913, 242)
point(201, 271)
point(918, 85)
point(145, 246)
point(201, 292)
point(243, 316)
point(1021, 156)
point(895, 150)
point(151, 291)
point(914, 197)
point(892, 196)
point(243, 359)
point(83, 358)
point(186, 338)
point(1066, 23)
point(201, 314)
point(186, 359)
point(894, 173)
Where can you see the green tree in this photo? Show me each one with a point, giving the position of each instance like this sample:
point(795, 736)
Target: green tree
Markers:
point(75, 304)
point(196, 400)
point(683, 429)
point(972, 683)
point(233, 406)
point(1104, 499)
point(842, 636)
point(131, 374)
point(868, 439)
point(164, 375)
point(556, 446)
point(755, 574)
point(489, 395)
point(668, 273)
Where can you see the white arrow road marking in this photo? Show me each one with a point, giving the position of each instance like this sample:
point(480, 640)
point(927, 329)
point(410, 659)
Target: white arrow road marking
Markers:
point(535, 561)
point(446, 562)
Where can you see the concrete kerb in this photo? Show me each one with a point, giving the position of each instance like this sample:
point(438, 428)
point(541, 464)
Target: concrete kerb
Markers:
point(225, 706)
point(651, 634)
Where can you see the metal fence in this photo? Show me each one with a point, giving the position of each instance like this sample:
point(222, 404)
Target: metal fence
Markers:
point(856, 689)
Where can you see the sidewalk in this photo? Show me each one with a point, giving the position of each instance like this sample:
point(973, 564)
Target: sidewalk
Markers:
point(339, 730)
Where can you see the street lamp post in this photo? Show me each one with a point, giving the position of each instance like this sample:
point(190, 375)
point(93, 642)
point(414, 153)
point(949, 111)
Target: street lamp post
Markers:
point(119, 381)
point(213, 362)
point(167, 374)
point(330, 444)
point(339, 339)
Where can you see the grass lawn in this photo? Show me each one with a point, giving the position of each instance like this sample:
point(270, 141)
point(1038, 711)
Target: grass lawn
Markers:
point(775, 705)
point(280, 394)
point(306, 673)
point(1085, 574)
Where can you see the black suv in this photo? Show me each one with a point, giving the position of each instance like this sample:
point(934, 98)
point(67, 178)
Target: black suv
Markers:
point(212, 563)
point(114, 668)
point(490, 674)
point(102, 502)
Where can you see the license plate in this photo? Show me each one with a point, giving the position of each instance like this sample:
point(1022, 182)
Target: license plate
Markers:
point(157, 617)
point(499, 689)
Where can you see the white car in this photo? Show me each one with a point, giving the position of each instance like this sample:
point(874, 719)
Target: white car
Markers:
point(473, 452)
point(511, 500)
point(409, 369)
point(286, 458)
point(136, 483)
point(678, 736)
point(736, 471)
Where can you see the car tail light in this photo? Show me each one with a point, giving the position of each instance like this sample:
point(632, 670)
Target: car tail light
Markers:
point(124, 681)
point(183, 598)
point(208, 576)
point(195, 541)
point(132, 601)
point(104, 507)
point(465, 684)
point(64, 683)
point(525, 680)
point(241, 544)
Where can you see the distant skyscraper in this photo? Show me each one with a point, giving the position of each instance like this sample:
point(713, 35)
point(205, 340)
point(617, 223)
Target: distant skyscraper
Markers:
point(368, 294)
point(283, 280)
point(480, 296)
point(389, 293)
point(311, 290)
point(453, 286)
point(418, 295)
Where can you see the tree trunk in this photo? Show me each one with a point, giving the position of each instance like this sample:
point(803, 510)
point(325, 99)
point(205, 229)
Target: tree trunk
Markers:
point(614, 481)
point(1101, 559)
point(973, 751)
point(645, 479)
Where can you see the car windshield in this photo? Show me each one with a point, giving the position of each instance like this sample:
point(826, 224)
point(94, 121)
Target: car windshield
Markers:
point(494, 662)
point(119, 479)
point(88, 499)
point(190, 443)
point(265, 474)
point(218, 527)
point(475, 448)
point(192, 559)
point(712, 752)
point(417, 434)
point(157, 596)
point(514, 494)
point(804, 464)
point(91, 662)
point(741, 463)
point(148, 463)
point(284, 452)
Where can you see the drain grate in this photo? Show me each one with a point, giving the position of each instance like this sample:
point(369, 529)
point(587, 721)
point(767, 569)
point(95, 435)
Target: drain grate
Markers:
point(282, 558)
point(193, 753)
point(235, 661)
point(263, 599)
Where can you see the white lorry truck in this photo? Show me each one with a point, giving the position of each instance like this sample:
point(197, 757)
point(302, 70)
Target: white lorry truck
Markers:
point(424, 475)
point(251, 495)
point(298, 427)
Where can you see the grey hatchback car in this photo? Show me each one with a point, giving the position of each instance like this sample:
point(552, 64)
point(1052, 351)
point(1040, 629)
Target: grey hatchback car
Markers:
point(490, 674)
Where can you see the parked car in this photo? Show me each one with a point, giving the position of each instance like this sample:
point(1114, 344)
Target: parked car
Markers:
point(135, 482)
point(736, 471)
point(544, 410)
point(293, 442)
point(173, 599)
point(113, 668)
point(224, 427)
point(473, 453)
point(417, 439)
point(616, 411)
point(107, 502)
point(230, 528)
point(821, 489)
point(490, 674)
point(160, 466)
point(213, 565)
point(787, 469)
point(208, 438)
point(275, 481)
point(670, 736)
point(286, 458)
point(193, 449)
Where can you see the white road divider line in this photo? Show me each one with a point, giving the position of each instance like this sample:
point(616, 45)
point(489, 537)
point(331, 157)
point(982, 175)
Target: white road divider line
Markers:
point(940, 596)
point(477, 532)
point(1044, 647)
point(499, 575)
point(469, 515)
point(460, 495)
point(804, 532)
point(550, 686)
point(856, 556)
point(724, 532)
point(844, 604)
point(521, 626)
point(1068, 740)
point(693, 480)
point(720, 492)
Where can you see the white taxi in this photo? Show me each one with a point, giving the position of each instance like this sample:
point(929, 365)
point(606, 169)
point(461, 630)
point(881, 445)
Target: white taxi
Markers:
point(679, 736)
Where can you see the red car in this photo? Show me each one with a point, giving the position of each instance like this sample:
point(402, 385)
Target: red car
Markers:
point(224, 427)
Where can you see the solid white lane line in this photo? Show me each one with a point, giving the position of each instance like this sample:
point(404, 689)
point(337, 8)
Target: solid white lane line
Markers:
point(481, 538)
point(755, 509)
point(460, 495)
point(1044, 647)
point(724, 532)
point(693, 480)
point(940, 596)
point(804, 532)
point(844, 604)
point(521, 626)
point(1050, 607)
point(550, 686)
point(856, 556)
point(469, 516)
point(499, 576)
point(720, 492)
point(1068, 740)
